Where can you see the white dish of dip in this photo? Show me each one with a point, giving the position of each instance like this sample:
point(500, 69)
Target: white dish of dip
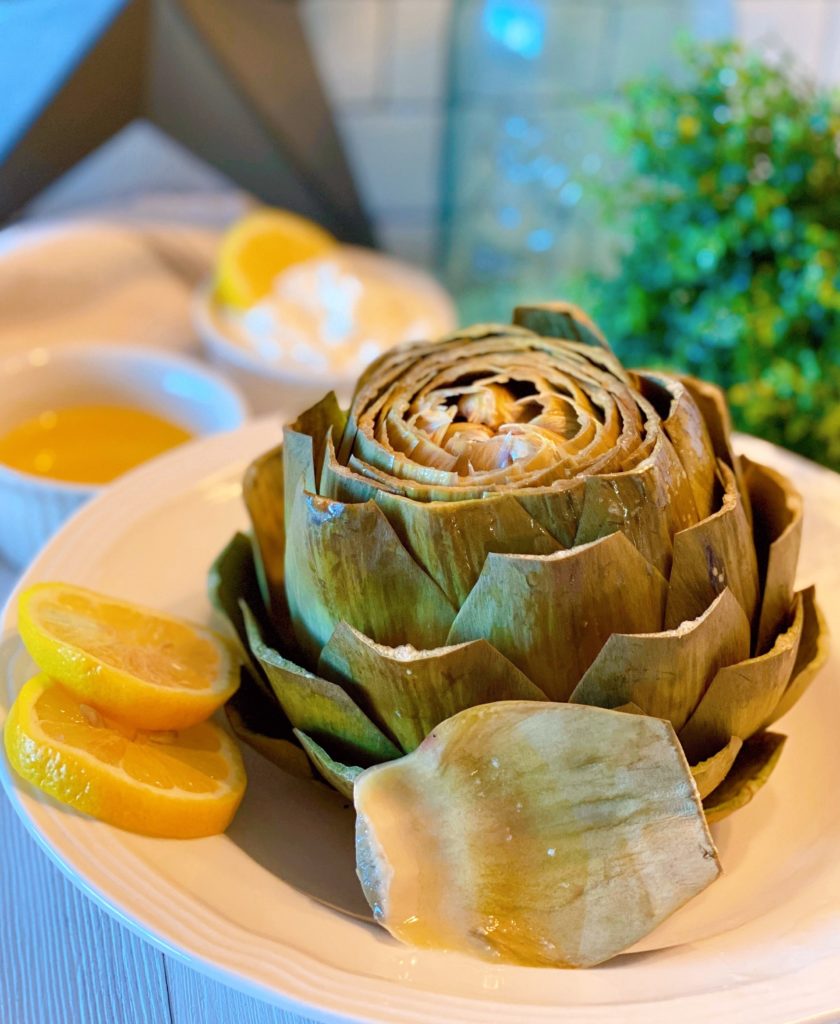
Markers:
point(323, 322)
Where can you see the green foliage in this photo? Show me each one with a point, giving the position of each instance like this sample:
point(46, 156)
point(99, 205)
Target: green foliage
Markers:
point(730, 197)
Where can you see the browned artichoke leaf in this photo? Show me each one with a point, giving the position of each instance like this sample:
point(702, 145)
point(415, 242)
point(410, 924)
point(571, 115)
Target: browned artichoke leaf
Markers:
point(711, 402)
point(810, 657)
point(560, 320)
point(339, 776)
point(648, 504)
point(318, 707)
point(715, 553)
point(686, 429)
point(451, 540)
point(262, 491)
point(258, 720)
point(777, 527)
point(742, 695)
point(346, 563)
point(667, 673)
point(753, 765)
point(540, 834)
point(709, 774)
point(556, 508)
point(408, 692)
point(551, 615)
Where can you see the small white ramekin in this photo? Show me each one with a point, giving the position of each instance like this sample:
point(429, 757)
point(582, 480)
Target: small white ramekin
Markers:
point(269, 387)
point(175, 387)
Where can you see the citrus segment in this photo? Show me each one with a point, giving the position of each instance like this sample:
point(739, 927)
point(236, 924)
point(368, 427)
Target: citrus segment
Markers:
point(133, 663)
point(173, 784)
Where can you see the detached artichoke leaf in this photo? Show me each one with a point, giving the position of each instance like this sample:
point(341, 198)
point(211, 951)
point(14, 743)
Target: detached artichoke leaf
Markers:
point(451, 540)
point(777, 528)
point(712, 555)
point(752, 768)
point(537, 834)
point(810, 657)
point(709, 774)
point(742, 696)
point(686, 429)
point(560, 320)
point(258, 720)
point(551, 615)
point(318, 707)
point(666, 674)
point(340, 776)
point(408, 692)
point(346, 563)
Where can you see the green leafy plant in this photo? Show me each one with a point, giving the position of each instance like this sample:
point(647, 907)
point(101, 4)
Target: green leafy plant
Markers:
point(729, 195)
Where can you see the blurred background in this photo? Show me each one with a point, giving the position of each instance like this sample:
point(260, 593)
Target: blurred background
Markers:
point(673, 164)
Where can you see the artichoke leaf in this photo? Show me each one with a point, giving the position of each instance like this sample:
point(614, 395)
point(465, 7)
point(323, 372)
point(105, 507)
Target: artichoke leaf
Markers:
point(340, 776)
point(810, 657)
point(560, 320)
point(262, 491)
point(323, 419)
point(777, 527)
point(743, 695)
point(709, 774)
point(666, 674)
point(451, 540)
point(537, 834)
point(258, 720)
point(408, 692)
point(318, 707)
point(556, 508)
point(551, 615)
point(752, 768)
point(712, 555)
point(345, 562)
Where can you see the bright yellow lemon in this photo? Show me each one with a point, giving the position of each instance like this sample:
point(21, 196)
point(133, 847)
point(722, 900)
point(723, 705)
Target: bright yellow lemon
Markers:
point(180, 785)
point(258, 247)
point(130, 662)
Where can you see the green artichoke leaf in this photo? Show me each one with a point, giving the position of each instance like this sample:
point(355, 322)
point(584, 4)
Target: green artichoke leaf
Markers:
point(557, 509)
point(325, 418)
point(648, 504)
point(711, 402)
point(686, 429)
point(262, 491)
point(345, 562)
point(709, 774)
point(743, 695)
point(777, 528)
point(451, 540)
point(317, 707)
point(712, 555)
point(560, 320)
point(232, 580)
point(537, 834)
point(551, 615)
point(258, 720)
point(340, 776)
point(666, 674)
point(752, 768)
point(810, 658)
point(408, 692)
point(343, 484)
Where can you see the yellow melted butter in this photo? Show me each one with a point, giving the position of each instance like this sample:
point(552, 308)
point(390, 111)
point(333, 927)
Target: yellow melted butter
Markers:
point(88, 444)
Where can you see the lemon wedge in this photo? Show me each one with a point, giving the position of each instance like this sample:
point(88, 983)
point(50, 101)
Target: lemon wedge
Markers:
point(179, 785)
point(258, 247)
point(129, 662)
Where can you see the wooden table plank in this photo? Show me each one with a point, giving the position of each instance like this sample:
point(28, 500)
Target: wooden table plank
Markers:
point(194, 997)
point(62, 959)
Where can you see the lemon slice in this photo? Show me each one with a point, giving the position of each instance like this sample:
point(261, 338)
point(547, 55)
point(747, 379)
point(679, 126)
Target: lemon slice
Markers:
point(175, 784)
point(130, 662)
point(258, 247)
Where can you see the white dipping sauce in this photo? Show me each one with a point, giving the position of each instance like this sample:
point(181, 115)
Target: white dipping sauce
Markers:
point(334, 315)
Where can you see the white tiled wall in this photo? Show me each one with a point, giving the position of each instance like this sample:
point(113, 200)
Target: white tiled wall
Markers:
point(383, 64)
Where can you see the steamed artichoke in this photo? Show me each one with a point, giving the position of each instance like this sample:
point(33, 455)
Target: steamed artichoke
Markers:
point(509, 514)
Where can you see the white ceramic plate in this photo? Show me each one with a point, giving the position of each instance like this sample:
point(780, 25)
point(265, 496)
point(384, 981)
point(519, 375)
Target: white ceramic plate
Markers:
point(253, 907)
